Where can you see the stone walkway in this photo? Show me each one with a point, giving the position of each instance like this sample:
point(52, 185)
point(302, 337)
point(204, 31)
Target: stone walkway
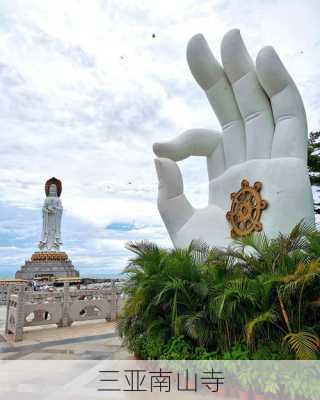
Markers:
point(80, 380)
point(90, 340)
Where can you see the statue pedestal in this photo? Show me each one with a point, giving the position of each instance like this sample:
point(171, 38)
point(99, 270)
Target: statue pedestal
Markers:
point(47, 263)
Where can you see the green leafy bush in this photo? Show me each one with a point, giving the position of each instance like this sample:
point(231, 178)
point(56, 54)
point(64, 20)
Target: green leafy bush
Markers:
point(177, 349)
point(202, 303)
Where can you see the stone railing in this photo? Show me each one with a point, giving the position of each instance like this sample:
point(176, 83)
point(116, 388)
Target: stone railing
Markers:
point(7, 287)
point(60, 307)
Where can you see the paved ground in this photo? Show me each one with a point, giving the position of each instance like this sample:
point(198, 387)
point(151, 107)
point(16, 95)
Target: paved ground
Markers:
point(90, 340)
point(81, 380)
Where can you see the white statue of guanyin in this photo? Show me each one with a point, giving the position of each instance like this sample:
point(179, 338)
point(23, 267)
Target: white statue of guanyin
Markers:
point(51, 217)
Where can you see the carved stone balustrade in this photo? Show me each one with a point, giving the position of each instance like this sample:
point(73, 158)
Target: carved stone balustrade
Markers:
point(60, 307)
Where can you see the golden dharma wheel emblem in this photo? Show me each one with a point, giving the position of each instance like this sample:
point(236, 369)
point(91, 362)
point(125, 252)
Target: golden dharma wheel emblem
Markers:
point(246, 208)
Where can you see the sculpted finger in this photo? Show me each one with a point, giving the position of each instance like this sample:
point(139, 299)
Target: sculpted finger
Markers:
point(195, 142)
point(173, 206)
point(205, 69)
point(210, 76)
point(170, 179)
point(252, 101)
point(291, 132)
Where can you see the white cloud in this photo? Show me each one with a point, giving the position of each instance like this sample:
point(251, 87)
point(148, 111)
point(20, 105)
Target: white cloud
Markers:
point(85, 90)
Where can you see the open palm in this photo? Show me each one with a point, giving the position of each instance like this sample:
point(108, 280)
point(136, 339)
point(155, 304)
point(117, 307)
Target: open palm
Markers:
point(264, 138)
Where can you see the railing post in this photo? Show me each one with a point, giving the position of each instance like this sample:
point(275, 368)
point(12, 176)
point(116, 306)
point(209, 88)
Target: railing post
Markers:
point(19, 321)
point(6, 329)
point(114, 301)
point(2, 293)
point(66, 303)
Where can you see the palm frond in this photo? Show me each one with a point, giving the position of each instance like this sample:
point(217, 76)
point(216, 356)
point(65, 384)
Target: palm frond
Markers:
point(141, 248)
point(197, 327)
point(304, 274)
point(199, 250)
point(304, 344)
point(264, 318)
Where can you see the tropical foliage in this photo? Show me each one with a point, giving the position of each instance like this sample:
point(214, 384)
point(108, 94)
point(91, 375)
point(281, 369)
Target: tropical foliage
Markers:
point(258, 299)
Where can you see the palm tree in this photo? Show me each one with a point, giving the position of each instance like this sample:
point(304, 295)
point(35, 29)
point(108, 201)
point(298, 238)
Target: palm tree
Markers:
point(258, 291)
point(289, 268)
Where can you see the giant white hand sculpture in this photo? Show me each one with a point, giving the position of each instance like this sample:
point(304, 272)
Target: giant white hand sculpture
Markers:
point(264, 138)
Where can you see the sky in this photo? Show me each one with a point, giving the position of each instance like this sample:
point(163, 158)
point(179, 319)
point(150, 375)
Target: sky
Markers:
point(87, 86)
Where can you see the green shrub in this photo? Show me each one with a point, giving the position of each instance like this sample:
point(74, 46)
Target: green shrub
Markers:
point(202, 303)
point(177, 349)
point(200, 353)
point(154, 347)
point(271, 351)
point(237, 352)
